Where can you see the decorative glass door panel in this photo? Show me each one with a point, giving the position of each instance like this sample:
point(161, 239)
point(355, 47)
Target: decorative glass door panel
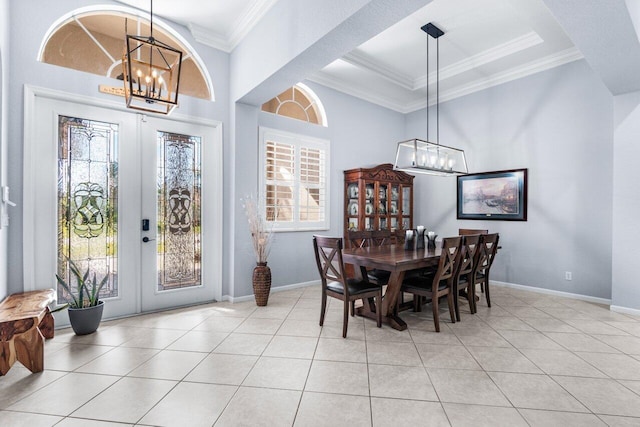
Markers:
point(179, 221)
point(88, 201)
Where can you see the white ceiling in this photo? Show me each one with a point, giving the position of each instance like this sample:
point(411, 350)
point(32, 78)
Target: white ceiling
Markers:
point(486, 42)
point(218, 23)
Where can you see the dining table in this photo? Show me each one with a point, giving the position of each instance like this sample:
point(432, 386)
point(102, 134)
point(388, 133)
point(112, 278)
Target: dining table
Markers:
point(398, 261)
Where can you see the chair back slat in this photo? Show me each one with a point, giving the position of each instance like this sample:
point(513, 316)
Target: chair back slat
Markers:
point(398, 236)
point(469, 231)
point(449, 260)
point(470, 246)
point(380, 237)
point(328, 251)
point(487, 251)
point(359, 239)
point(362, 239)
point(490, 242)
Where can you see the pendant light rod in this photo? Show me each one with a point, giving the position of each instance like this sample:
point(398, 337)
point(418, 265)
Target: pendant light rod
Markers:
point(426, 157)
point(434, 32)
point(151, 20)
point(427, 88)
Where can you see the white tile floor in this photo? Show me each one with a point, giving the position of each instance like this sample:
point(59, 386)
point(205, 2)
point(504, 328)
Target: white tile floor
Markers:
point(531, 359)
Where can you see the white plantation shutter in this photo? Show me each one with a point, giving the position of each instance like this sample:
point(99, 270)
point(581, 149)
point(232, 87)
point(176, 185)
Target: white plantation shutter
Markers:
point(280, 179)
point(312, 184)
point(293, 178)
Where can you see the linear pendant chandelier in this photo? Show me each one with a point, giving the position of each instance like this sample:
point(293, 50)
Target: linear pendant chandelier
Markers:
point(425, 157)
point(151, 71)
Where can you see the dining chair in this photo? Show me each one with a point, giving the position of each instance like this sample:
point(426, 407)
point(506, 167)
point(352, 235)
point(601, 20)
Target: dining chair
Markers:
point(361, 239)
point(469, 251)
point(488, 247)
point(328, 251)
point(439, 283)
point(468, 231)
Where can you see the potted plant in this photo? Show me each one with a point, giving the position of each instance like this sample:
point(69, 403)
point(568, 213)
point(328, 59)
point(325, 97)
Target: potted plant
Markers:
point(84, 306)
point(261, 237)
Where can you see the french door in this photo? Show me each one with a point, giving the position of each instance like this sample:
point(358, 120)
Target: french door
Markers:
point(131, 197)
point(177, 200)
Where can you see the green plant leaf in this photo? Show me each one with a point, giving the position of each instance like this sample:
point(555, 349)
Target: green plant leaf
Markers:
point(96, 292)
point(62, 307)
point(74, 302)
point(74, 269)
point(88, 292)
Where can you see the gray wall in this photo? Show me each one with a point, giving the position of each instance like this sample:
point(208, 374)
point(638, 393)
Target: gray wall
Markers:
point(4, 131)
point(361, 134)
point(626, 202)
point(27, 31)
point(558, 124)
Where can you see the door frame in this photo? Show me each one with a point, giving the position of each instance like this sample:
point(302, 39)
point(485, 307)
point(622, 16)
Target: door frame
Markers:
point(30, 166)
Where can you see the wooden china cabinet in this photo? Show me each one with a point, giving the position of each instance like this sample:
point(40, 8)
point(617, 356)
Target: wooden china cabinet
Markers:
point(377, 198)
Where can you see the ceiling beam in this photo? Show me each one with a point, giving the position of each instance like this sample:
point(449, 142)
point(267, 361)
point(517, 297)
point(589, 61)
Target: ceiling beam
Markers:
point(299, 37)
point(605, 34)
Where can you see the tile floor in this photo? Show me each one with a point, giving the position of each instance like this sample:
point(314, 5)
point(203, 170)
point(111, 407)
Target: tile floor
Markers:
point(531, 359)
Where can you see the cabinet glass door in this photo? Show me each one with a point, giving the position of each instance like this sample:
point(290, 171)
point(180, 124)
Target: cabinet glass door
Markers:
point(383, 206)
point(369, 205)
point(406, 208)
point(352, 205)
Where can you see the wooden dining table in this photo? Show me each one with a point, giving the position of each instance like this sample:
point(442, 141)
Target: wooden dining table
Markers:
point(398, 261)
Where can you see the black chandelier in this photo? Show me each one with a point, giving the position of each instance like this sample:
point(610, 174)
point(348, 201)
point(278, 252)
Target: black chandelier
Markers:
point(151, 71)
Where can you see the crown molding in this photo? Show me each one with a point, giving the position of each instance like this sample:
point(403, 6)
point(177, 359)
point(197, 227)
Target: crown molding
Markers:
point(251, 16)
point(364, 61)
point(542, 64)
point(329, 81)
point(500, 51)
point(240, 28)
point(210, 38)
point(551, 61)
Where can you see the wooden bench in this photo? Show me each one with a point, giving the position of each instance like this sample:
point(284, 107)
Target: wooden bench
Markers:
point(25, 322)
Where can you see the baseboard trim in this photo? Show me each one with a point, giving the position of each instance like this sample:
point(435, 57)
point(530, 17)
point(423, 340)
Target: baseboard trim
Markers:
point(587, 298)
point(625, 310)
point(552, 292)
point(283, 288)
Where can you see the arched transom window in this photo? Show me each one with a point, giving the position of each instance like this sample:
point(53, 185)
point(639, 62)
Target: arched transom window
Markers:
point(92, 40)
point(298, 102)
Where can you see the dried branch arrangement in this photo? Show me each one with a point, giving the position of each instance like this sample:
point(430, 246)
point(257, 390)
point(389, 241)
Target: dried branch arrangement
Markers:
point(260, 229)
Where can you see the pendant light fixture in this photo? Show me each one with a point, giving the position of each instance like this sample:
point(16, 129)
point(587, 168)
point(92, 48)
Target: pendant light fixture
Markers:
point(151, 71)
point(422, 156)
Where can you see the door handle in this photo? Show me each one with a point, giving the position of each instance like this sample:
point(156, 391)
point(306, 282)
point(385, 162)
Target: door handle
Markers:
point(146, 239)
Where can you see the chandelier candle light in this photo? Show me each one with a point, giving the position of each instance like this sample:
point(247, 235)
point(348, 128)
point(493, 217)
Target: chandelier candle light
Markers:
point(151, 72)
point(421, 156)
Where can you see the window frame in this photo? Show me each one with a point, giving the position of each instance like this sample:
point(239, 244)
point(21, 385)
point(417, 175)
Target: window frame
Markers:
point(299, 141)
